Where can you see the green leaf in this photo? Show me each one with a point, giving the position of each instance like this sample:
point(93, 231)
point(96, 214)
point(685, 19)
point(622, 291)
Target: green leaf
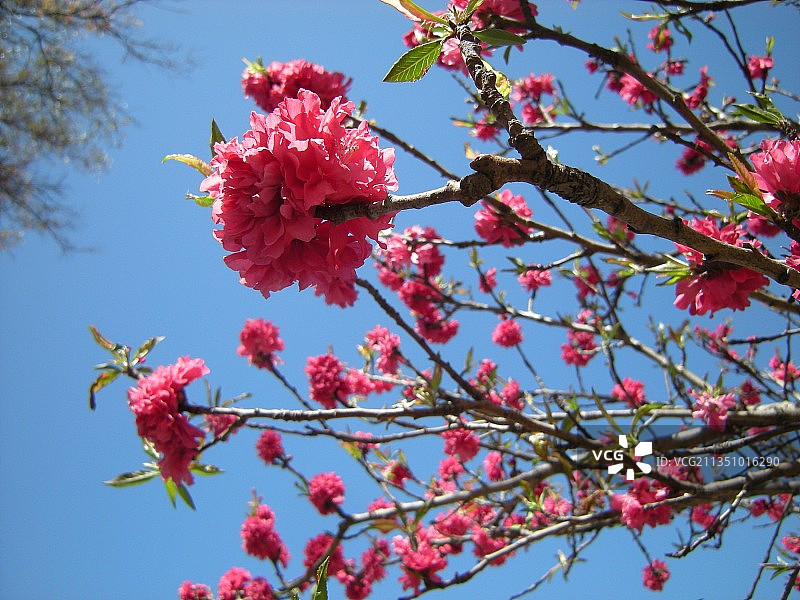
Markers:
point(644, 410)
point(752, 203)
point(204, 201)
point(187, 499)
point(321, 588)
point(415, 63)
point(102, 381)
point(500, 37)
point(103, 342)
point(352, 449)
point(472, 7)
point(191, 160)
point(172, 490)
point(145, 349)
point(216, 136)
point(757, 114)
point(205, 470)
point(414, 11)
point(132, 478)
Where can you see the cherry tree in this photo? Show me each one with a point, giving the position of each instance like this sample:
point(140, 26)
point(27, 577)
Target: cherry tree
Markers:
point(513, 455)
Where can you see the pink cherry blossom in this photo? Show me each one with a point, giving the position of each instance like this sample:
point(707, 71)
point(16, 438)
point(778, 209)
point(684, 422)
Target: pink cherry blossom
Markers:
point(326, 384)
point(194, 591)
point(157, 403)
point(239, 583)
point(533, 279)
point(218, 425)
point(317, 547)
point(749, 393)
point(532, 87)
point(396, 472)
point(661, 39)
point(460, 443)
point(269, 86)
point(631, 391)
point(488, 280)
point(633, 91)
point(791, 543)
point(493, 228)
point(655, 575)
point(432, 326)
point(486, 544)
point(714, 286)
point(260, 539)
point(387, 345)
point(511, 395)
point(507, 333)
point(326, 491)
point(260, 339)
point(269, 446)
point(269, 185)
point(783, 371)
point(758, 66)
point(421, 559)
point(695, 100)
point(713, 410)
point(777, 172)
point(493, 466)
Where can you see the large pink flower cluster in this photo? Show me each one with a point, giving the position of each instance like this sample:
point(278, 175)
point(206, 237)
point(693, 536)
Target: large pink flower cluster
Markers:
point(269, 86)
point(260, 539)
point(157, 401)
point(420, 559)
point(715, 286)
point(260, 339)
point(269, 184)
point(630, 391)
point(460, 443)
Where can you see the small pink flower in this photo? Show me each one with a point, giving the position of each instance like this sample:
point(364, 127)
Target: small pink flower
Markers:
point(488, 280)
point(655, 575)
point(218, 425)
point(701, 514)
point(239, 583)
point(317, 547)
point(783, 371)
point(387, 345)
point(692, 160)
point(777, 172)
point(695, 100)
point(512, 397)
point(532, 87)
point(493, 466)
point(485, 131)
point(758, 66)
point(421, 559)
point(260, 339)
point(661, 39)
point(533, 279)
point(713, 410)
point(434, 328)
point(749, 394)
point(461, 443)
point(619, 230)
point(269, 86)
point(325, 491)
point(260, 539)
point(715, 286)
point(493, 227)
point(269, 446)
point(633, 91)
point(157, 403)
point(194, 591)
point(507, 333)
point(631, 391)
point(396, 472)
point(791, 543)
point(486, 544)
point(326, 384)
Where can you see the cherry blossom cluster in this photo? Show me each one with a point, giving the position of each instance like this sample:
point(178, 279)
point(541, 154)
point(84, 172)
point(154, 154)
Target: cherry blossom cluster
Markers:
point(268, 185)
point(157, 401)
point(269, 86)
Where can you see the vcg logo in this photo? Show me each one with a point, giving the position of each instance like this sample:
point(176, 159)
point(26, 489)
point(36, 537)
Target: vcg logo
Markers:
point(616, 456)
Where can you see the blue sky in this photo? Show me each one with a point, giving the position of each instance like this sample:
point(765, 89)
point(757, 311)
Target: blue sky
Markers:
point(151, 267)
